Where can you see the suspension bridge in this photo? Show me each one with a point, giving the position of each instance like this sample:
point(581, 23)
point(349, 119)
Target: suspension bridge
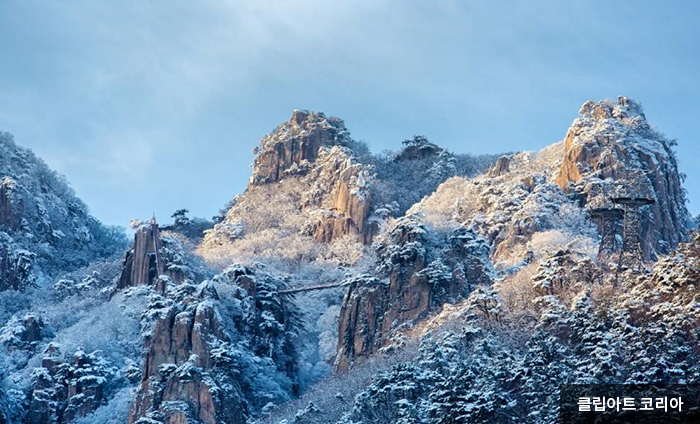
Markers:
point(313, 287)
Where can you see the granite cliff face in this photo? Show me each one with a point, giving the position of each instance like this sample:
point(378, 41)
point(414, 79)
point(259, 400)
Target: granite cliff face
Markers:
point(182, 380)
point(416, 276)
point(520, 208)
point(502, 248)
point(501, 167)
point(144, 261)
point(612, 151)
point(296, 144)
point(62, 390)
point(312, 179)
point(313, 157)
point(149, 258)
point(348, 207)
point(205, 352)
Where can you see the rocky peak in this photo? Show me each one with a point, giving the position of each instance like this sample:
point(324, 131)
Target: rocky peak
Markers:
point(299, 116)
point(313, 160)
point(296, 143)
point(612, 151)
point(607, 109)
point(148, 258)
point(143, 263)
point(311, 178)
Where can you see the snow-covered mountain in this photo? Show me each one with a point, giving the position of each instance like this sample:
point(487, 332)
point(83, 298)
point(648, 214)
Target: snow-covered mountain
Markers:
point(420, 286)
point(44, 227)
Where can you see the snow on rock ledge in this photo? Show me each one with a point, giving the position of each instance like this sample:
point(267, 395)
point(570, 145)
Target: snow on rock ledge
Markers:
point(417, 274)
point(151, 256)
point(611, 150)
point(295, 143)
point(178, 382)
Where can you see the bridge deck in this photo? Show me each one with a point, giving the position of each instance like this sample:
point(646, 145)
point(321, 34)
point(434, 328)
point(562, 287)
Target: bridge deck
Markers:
point(310, 287)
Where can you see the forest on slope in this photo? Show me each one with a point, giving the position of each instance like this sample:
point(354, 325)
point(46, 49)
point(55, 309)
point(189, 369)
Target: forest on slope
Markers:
point(466, 287)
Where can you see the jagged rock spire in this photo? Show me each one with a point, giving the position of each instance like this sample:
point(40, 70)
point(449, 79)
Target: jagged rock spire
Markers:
point(295, 142)
point(612, 151)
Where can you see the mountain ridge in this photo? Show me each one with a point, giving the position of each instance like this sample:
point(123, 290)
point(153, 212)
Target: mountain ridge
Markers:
point(462, 279)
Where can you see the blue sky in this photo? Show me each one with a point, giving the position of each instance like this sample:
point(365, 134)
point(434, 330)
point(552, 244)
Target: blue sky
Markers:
point(151, 106)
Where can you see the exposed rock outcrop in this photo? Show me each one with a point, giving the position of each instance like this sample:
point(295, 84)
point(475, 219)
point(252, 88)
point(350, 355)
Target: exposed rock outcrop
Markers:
point(611, 150)
point(416, 278)
point(32, 328)
point(311, 179)
point(349, 200)
point(143, 263)
point(202, 359)
point(11, 206)
point(315, 155)
point(179, 383)
point(63, 391)
point(501, 166)
point(147, 259)
point(16, 265)
point(295, 144)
